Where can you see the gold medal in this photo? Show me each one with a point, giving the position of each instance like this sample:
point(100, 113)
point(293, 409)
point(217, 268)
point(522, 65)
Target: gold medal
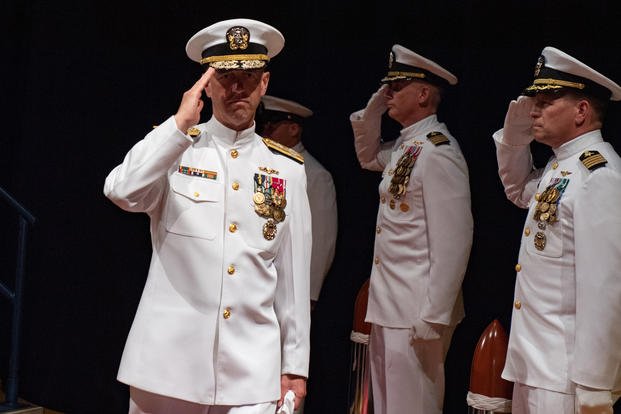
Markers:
point(269, 229)
point(279, 200)
point(404, 207)
point(258, 198)
point(540, 241)
point(402, 171)
point(278, 214)
point(543, 207)
point(553, 195)
point(264, 210)
point(392, 204)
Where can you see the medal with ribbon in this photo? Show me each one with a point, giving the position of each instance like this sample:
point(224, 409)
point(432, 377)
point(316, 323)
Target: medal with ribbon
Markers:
point(269, 202)
point(402, 171)
point(547, 208)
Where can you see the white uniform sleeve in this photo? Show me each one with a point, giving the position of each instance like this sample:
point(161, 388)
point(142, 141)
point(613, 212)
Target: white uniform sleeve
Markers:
point(446, 194)
point(138, 182)
point(515, 168)
point(372, 154)
point(597, 230)
point(322, 199)
point(292, 300)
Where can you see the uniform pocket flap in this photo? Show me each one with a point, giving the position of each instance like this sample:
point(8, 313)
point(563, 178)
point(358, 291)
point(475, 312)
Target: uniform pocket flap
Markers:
point(195, 188)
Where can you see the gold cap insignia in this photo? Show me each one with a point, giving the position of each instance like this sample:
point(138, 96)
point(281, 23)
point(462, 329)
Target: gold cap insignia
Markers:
point(540, 62)
point(238, 38)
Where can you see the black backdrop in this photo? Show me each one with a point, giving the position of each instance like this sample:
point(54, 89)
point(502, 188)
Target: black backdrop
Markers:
point(81, 82)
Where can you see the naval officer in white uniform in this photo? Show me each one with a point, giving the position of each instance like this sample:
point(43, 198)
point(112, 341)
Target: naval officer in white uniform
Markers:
point(224, 319)
point(564, 352)
point(423, 235)
point(283, 121)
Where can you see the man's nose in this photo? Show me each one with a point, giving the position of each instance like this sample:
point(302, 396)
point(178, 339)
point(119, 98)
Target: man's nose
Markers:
point(237, 85)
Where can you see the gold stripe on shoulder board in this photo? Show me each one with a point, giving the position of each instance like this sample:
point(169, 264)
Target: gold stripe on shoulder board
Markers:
point(438, 138)
point(294, 155)
point(592, 159)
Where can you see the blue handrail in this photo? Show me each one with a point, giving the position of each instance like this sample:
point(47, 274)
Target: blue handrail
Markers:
point(15, 297)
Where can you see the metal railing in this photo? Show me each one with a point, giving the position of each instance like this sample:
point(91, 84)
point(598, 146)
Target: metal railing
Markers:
point(26, 219)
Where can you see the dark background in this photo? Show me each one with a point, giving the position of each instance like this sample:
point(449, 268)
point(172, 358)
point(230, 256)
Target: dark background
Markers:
point(81, 82)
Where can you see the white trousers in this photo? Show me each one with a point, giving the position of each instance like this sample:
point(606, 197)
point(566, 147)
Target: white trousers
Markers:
point(531, 400)
point(144, 402)
point(407, 378)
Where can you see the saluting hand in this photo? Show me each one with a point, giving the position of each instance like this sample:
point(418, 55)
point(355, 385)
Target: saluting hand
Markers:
point(377, 104)
point(189, 112)
point(518, 122)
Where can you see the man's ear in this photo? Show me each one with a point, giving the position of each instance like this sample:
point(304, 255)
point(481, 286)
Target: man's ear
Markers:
point(583, 110)
point(424, 95)
point(294, 128)
point(265, 80)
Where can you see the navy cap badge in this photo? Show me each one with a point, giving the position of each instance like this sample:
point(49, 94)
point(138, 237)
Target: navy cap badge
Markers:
point(238, 37)
point(540, 62)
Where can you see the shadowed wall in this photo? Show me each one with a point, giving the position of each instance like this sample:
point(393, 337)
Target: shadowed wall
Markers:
point(82, 82)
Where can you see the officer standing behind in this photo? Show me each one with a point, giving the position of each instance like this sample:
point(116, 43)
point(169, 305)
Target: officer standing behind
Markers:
point(423, 236)
point(283, 120)
point(564, 352)
point(223, 323)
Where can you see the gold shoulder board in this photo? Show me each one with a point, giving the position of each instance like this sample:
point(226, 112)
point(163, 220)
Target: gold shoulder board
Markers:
point(438, 138)
point(592, 160)
point(294, 155)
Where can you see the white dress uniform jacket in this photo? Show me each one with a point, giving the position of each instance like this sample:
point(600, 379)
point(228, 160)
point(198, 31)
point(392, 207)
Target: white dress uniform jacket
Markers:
point(566, 323)
point(322, 199)
point(423, 239)
point(224, 311)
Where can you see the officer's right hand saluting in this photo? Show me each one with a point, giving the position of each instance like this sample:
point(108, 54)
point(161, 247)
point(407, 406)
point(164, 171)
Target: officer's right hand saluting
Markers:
point(189, 112)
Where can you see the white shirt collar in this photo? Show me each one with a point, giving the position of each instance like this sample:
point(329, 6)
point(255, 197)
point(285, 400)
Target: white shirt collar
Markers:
point(578, 144)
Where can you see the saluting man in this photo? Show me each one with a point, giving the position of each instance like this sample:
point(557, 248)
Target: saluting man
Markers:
point(564, 352)
point(423, 235)
point(223, 323)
